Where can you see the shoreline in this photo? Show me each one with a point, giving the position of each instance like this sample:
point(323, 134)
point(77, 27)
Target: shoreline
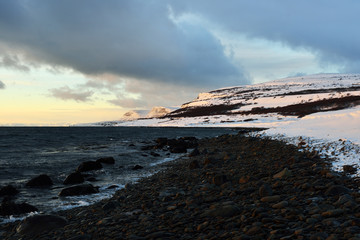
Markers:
point(232, 190)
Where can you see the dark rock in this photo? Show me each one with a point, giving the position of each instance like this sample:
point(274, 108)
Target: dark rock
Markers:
point(38, 224)
point(194, 164)
point(350, 169)
point(42, 180)
point(8, 191)
point(74, 178)
point(223, 211)
point(82, 237)
point(265, 190)
point(146, 148)
point(219, 179)
point(89, 166)
point(110, 205)
point(161, 142)
point(283, 174)
point(106, 160)
point(154, 154)
point(8, 208)
point(84, 189)
point(91, 179)
point(337, 190)
point(194, 153)
point(137, 167)
point(178, 149)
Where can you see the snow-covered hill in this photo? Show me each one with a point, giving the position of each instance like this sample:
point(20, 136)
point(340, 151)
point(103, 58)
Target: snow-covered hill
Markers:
point(320, 113)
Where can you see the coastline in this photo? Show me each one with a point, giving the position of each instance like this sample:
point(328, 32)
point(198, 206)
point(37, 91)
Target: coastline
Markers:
point(232, 190)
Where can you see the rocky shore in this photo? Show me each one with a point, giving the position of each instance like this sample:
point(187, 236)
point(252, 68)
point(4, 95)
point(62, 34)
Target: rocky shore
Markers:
point(232, 187)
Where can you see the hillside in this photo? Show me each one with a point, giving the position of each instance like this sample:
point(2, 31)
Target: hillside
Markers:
point(319, 113)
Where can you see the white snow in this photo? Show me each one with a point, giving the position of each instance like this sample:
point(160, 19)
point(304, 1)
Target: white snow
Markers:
point(334, 133)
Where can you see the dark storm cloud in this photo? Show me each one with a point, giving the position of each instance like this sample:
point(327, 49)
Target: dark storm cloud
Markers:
point(328, 28)
point(128, 38)
point(2, 85)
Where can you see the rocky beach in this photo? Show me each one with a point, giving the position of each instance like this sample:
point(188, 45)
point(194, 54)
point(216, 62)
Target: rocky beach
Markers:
point(229, 187)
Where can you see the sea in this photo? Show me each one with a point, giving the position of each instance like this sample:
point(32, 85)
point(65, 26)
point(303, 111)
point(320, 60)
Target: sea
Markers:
point(26, 152)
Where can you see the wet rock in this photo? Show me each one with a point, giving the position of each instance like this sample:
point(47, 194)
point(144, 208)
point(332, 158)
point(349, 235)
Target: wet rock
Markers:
point(110, 205)
point(349, 169)
point(283, 174)
point(223, 211)
point(219, 179)
point(38, 224)
point(282, 204)
point(42, 180)
point(9, 208)
point(194, 153)
point(154, 154)
point(106, 160)
point(194, 164)
point(8, 191)
point(74, 178)
point(336, 190)
point(265, 190)
point(333, 213)
point(137, 167)
point(275, 198)
point(84, 189)
point(89, 166)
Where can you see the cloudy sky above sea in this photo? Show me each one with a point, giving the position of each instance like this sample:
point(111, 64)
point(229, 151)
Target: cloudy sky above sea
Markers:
point(64, 62)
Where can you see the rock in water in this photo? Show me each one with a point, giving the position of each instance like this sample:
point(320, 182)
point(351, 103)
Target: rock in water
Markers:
point(137, 167)
point(106, 160)
point(74, 178)
point(8, 191)
point(42, 180)
point(89, 166)
point(84, 189)
point(9, 208)
point(38, 224)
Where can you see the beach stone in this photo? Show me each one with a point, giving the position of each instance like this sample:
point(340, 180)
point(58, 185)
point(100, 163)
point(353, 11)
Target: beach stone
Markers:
point(265, 190)
point(84, 189)
point(74, 178)
point(89, 166)
point(274, 198)
point(82, 237)
point(8, 191)
point(9, 208)
point(219, 179)
point(333, 213)
point(106, 160)
point(349, 169)
point(223, 211)
point(154, 154)
point(38, 224)
point(283, 174)
point(42, 180)
point(137, 167)
point(194, 164)
point(194, 153)
point(336, 190)
point(282, 204)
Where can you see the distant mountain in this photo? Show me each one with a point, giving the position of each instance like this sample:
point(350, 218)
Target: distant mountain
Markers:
point(298, 96)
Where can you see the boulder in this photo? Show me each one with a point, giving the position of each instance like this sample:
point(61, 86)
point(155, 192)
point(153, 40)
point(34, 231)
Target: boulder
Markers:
point(8, 191)
point(106, 160)
point(89, 166)
point(194, 152)
point(9, 208)
point(37, 224)
point(337, 190)
point(74, 178)
point(42, 180)
point(137, 167)
point(84, 189)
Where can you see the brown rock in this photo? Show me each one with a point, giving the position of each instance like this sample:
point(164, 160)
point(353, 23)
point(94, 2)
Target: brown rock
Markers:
point(283, 174)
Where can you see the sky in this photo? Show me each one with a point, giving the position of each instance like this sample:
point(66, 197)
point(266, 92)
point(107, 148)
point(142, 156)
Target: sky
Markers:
point(66, 62)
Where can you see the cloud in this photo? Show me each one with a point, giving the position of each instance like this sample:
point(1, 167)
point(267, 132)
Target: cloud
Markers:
point(14, 62)
point(2, 85)
point(130, 38)
point(66, 93)
point(327, 28)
